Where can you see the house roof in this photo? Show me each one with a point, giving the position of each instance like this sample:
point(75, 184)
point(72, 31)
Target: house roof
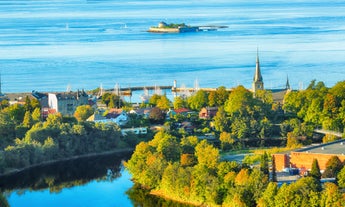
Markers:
point(96, 116)
point(181, 110)
point(38, 95)
point(71, 95)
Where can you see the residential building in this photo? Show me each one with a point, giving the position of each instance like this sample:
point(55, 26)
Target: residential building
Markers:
point(67, 102)
point(208, 112)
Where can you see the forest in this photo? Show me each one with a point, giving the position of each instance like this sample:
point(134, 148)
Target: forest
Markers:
point(189, 170)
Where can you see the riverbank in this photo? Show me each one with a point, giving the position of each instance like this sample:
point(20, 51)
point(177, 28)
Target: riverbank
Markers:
point(15, 171)
point(161, 194)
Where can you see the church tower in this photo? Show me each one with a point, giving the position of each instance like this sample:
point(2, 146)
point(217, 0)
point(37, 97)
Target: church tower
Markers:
point(258, 83)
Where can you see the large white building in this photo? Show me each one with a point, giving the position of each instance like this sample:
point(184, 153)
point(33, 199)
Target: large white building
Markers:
point(67, 102)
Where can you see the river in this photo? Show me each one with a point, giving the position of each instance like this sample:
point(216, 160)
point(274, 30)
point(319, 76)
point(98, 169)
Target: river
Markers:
point(86, 182)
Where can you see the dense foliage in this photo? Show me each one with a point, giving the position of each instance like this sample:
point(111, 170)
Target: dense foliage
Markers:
point(26, 140)
point(190, 171)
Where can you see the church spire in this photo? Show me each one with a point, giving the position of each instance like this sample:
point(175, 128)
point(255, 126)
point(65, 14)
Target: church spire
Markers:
point(257, 76)
point(257, 81)
point(287, 83)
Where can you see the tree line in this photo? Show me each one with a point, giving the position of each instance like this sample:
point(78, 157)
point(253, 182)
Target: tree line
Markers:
point(26, 139)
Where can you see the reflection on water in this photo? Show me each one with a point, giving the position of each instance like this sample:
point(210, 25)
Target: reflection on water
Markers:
point(91, 181)
point(87, 182)
point(141, 198)
point(65, 174)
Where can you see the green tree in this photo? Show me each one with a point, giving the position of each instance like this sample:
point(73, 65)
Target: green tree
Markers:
point(274, 173)
point(154, 99)
point(207, 155)
point(16, 112)
point(315, 170)
point(163, 103)
point(83, 112)
point(222, 96)
point(331, 196)
point(4, 104)
point(226, 140)
point(267, 198)
point(341, 178)
point(265, 96)
point(333, 167)
point(53, 120)
point(198, 100)
point(27, 104)
point(36, 115)
point(240, 102)
point(292, 141)
point(264, 164)
point(179, 102)
point(27, 122)
point(221, 122)
point(212, 98)
point(7, 130)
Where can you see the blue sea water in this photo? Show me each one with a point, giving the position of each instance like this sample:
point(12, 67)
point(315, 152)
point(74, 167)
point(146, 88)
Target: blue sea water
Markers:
point(47, 45)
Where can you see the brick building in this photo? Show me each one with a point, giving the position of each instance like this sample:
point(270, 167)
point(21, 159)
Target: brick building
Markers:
point(303, 158)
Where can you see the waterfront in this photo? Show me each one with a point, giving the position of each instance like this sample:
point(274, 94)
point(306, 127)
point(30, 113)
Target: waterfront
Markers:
point(47, 45)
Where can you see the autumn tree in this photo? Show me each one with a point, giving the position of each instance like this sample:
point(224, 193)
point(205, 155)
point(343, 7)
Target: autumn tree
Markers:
point(83, 112)
point(332, 196)
point(163, 103)
point(156, 115)
point(226, 140)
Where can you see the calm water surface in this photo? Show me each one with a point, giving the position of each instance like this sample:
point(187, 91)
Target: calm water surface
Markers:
point(46, 45)
point(98, 181)
point(88, 182)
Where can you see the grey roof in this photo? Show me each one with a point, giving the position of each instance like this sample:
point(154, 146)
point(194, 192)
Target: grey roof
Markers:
point(334, 148)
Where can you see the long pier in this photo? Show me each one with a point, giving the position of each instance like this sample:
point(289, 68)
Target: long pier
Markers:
point(127, 91)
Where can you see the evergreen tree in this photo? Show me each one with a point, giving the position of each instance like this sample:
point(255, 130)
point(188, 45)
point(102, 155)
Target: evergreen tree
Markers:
point(315, 170)
point(274, 173)
point(333, 166)
point(264, 163)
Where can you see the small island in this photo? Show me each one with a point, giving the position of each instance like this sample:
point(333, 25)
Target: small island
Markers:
point(181, 28)
point(173, 28)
